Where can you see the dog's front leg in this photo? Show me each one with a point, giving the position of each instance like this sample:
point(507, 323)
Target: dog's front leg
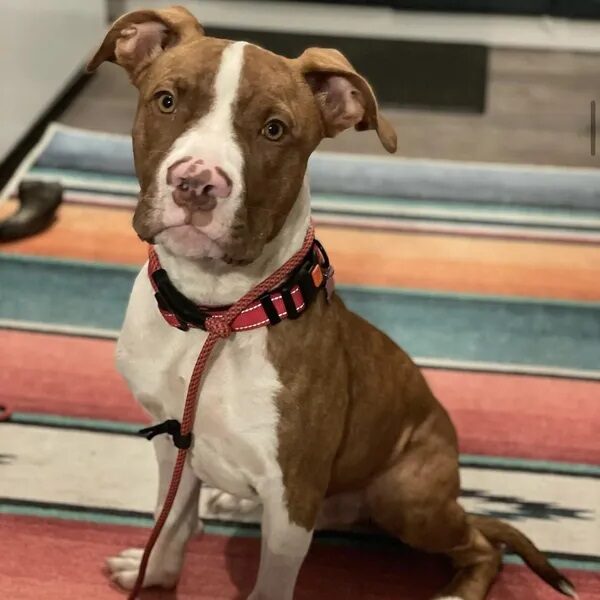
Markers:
point(283, 548)
point(166, 560)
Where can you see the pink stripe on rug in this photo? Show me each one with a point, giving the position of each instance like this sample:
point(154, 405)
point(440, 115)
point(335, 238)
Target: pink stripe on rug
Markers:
point(495, 414)
point(516, 415)
point(64, 375)
point(63, 560)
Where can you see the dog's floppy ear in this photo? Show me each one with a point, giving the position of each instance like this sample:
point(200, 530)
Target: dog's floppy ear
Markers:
point(138, 37)
point(344, 97)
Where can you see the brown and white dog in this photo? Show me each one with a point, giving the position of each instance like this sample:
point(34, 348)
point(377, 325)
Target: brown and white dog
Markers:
point(312, 411)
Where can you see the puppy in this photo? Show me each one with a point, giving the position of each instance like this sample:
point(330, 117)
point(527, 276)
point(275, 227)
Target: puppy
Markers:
point(309, 411)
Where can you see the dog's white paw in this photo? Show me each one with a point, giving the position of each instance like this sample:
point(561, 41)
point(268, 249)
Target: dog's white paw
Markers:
point(123, 570)
point(224, 503)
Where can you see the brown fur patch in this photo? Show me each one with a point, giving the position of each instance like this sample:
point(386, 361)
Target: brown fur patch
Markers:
point(348, 408)
point(273, 170)
point(188, 71)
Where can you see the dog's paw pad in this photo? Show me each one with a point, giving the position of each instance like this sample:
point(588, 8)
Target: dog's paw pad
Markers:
point(133, 553)
point(125, 579)
point(222, 502)
point(124, 567)
point(123, 570)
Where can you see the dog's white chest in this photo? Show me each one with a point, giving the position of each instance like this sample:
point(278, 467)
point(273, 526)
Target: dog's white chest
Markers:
point(235, 431)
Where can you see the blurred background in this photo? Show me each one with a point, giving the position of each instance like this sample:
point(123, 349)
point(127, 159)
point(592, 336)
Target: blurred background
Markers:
point(475, 247)
point(508, 81)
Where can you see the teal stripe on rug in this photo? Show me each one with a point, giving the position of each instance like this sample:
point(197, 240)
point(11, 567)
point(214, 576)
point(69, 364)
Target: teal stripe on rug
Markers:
point(459, 327)
point(337, 173)
point(364, 206)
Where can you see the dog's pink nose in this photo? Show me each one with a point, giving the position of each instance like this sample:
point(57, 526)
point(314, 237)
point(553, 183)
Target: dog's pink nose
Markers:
point(198, 183)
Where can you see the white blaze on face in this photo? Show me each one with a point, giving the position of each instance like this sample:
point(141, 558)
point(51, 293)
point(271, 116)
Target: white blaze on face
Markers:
point(211, 139)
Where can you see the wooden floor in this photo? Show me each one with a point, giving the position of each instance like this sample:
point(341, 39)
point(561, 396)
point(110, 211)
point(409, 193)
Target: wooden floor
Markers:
point(538, 112)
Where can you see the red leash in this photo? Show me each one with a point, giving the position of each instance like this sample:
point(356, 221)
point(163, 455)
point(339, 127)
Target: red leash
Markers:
point(218, 327)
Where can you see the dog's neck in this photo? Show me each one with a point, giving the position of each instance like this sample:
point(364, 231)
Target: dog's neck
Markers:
point(211, 282)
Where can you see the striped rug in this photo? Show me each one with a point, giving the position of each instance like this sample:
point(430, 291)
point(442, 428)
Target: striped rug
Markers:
point(498, 299)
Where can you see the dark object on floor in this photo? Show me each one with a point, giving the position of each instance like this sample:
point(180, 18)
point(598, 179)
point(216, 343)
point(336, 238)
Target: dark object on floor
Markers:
point(38, 203)
point(5, 414)
point(432, 75)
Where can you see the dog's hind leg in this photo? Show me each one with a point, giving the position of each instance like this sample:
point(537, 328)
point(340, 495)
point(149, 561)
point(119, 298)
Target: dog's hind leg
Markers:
point(341, 510)
point(166, 560)
point(220, 503)
point(415, 500)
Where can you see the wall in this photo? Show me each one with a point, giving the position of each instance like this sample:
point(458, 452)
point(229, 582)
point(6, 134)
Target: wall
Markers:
point(43, 45)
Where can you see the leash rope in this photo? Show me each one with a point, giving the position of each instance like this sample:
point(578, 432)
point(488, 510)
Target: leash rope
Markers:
point(218, 327)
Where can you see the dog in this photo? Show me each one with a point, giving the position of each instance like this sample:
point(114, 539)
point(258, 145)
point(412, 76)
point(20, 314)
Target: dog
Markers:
point(314, 410)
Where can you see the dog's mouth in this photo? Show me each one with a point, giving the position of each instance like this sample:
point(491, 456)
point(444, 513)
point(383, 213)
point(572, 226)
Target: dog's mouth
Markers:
point(189, 241)
point(183, 231)
point(181, 227)
point(190, 230)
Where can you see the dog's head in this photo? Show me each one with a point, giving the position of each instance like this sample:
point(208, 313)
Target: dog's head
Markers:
point(224, 130)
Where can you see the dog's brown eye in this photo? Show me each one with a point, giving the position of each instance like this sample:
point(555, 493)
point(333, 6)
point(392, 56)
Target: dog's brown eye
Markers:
point(273, 130)
point(166, 102)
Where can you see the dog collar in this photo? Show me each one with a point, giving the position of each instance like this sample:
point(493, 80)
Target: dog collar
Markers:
point(288, 301)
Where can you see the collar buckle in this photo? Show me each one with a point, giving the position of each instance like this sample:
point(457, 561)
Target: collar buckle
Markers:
point(313, 275)
point(170, 299)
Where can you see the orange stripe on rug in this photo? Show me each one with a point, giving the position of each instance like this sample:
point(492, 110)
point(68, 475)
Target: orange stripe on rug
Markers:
point(364, 257)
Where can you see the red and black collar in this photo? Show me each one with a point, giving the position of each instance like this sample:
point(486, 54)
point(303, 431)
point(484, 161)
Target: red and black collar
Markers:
point(288, 301)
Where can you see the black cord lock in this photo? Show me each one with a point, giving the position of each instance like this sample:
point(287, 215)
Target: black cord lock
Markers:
point(173, 428)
